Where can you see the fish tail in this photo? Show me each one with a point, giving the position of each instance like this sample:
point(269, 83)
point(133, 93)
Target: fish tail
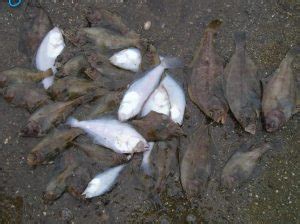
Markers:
point(73, 122)
point(214, 24)
point(171, 62)
point(240, 37)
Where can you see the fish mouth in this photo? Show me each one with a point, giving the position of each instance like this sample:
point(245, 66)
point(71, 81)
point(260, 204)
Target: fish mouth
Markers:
point(251, 128)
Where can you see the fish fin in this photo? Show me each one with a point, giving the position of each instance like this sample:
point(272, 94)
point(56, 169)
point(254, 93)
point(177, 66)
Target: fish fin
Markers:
point(73, 122)
point(171, 62)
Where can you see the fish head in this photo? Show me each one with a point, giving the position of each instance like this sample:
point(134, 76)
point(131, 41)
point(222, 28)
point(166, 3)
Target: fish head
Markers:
point(274, 120)
point(218, 114)
point(129, 106)
point(32, 129)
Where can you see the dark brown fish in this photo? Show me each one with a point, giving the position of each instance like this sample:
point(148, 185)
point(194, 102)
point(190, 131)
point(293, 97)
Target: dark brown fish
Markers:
point(150, 57)
point(241, 165)
point(280, 94)
point(242, 86)
point(19, 75)
point(104, 156)
point(27, 96)
point(75, 66)
point(34, 29)
point(57, 185)
point(157, 127)
point(105, 104)
point(70, 88)
point(205, 82)
point(51, 146)
point(196, 162)
point(51, 115)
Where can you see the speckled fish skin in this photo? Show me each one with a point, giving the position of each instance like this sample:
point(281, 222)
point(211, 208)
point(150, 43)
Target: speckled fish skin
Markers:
point(241, 165)
point(280, 94)
point(70, 88)
point(51, 146)
point(196, 167)
point(157, 127)
point(36, 26)
point(51, 115)
point(75, 66)
point(205, 82)
point(106, 39)
point(113, 134)
point(27, 96)
point(139, 91)
point(242, 86)
point(18, 75)
point(57, 185)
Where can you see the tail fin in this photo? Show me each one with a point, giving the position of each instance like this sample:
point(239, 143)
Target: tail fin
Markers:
point(171, 62)
point(73, 122)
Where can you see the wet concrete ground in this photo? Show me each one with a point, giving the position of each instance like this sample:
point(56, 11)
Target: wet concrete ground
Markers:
point(271, 196)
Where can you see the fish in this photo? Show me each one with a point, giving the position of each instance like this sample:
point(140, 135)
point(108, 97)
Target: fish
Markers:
point(145, 165)
point(158, 102)
point(128, 59)
point(57, 185)
point(150, 57)
point(103, 182)
point(48, 116)
point(279, 101)
point(242, 86)
point(139, 91)
point(102, 155)
point(113, 134)
point(106, 39)
point(37, 24)
point(196, 164)
point(157, 127)
point(51, 146)
point(27, 96)
point(18, 75)
point(176, 97)
point(75, 66)
point(51, 46)
point(241, 165)
point(106, 103)
point(205, 81)
point(69, 88)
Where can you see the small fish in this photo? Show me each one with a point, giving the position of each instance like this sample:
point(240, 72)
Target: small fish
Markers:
point(150, 57)
point(241, 165)
point(107, 39)
point(104, 104)
point(70, 88)
point(75, 66)
point(157, 127)
point(205, 81)
point(196, 164)
point(51, 115)
point(47, 149)
point(35, 27)
point(57, 185)
point(103, 182)
point(51, 46)
point(19, 75)
point(129, 59)
point(176, 98)
point(140, 90)
point(280, 94)
point(102, 155)
point(242, 86)
point(113, 134)
point(158, 102)
point(145, 165)
point(26, 96)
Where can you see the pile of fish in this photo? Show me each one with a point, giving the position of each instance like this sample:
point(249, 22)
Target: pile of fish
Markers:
point(133, 106)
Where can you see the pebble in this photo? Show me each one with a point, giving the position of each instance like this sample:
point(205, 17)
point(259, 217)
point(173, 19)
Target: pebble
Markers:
point(147, 25)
